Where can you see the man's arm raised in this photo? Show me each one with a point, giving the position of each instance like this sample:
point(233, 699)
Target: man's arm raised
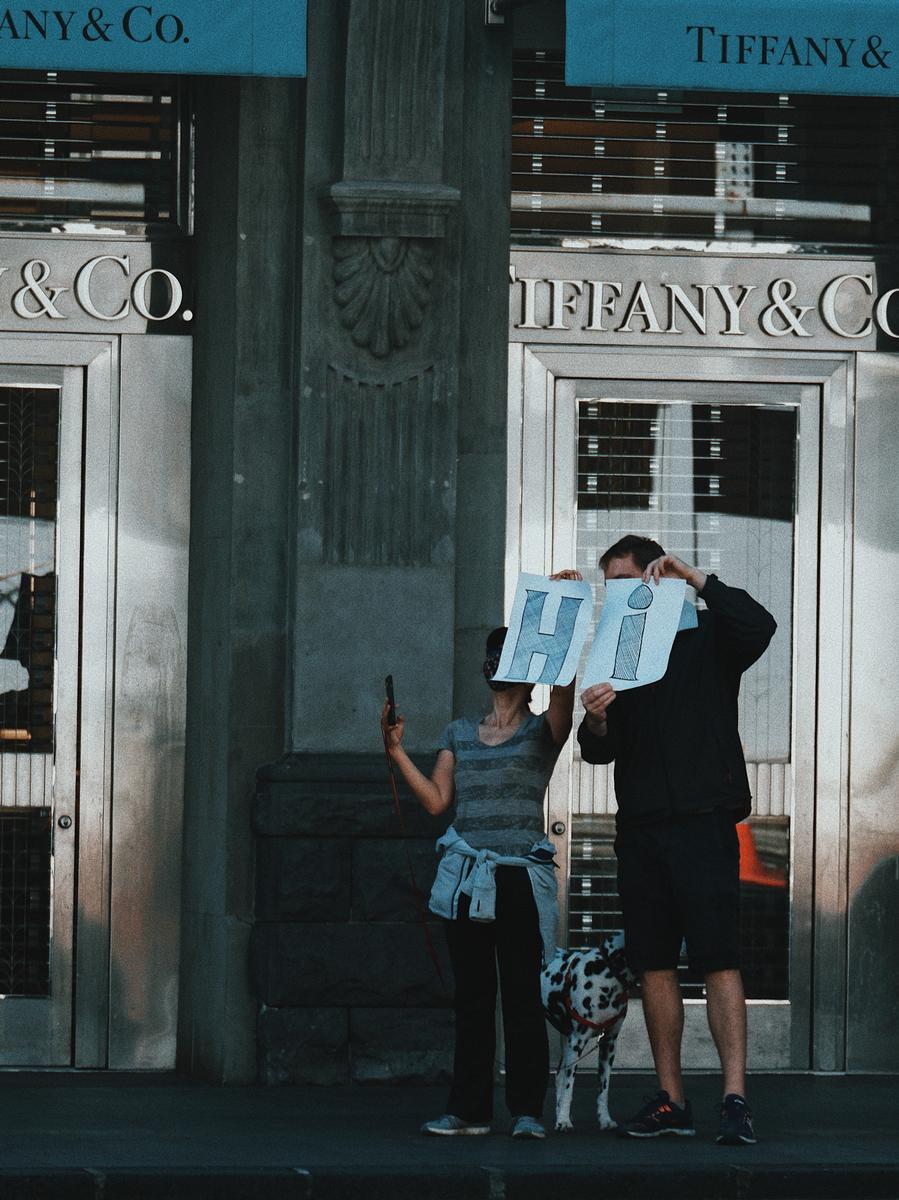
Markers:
point(669, 566)
point(747, 627)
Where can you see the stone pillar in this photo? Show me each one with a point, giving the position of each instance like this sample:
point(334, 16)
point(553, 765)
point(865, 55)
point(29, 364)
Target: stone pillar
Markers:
point(483, 153)
point(401, 269)
point(401, 394)
point(243, 414)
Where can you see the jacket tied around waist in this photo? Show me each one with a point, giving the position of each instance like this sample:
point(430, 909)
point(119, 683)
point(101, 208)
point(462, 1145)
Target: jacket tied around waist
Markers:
point(464, 871)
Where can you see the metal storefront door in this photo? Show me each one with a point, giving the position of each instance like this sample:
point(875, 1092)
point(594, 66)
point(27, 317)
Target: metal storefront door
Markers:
point(40, 539)
point(49, 596)
point(720, 459)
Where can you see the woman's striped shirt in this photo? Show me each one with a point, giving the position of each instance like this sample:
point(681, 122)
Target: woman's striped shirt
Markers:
point(500, 789)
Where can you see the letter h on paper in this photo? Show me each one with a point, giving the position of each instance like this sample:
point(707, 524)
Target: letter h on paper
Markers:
point(554, 645)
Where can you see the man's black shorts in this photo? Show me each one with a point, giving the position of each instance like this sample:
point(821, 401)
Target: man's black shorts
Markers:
point(680, 878)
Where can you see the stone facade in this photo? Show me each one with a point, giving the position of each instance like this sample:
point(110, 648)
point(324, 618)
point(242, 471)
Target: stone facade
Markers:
point(347, 987)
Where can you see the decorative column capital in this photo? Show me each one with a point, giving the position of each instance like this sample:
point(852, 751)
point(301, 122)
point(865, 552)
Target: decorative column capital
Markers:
point(392, 208)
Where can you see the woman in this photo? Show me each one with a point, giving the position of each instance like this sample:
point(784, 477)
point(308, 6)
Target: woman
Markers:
point(496, 888)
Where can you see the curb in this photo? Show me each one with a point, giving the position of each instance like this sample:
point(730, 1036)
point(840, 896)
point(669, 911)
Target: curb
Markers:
point(824, 1182)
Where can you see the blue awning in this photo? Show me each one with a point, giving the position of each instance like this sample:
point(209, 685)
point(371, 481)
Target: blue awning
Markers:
point(838, 47)
point(183, 37)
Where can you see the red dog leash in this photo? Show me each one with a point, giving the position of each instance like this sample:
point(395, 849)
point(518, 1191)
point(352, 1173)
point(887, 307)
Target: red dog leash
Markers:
point(599, 1027)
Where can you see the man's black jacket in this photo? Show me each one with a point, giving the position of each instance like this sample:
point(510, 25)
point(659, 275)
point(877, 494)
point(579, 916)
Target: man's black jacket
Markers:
point(675, 743)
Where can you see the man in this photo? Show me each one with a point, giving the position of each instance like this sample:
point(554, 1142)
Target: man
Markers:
point(681, 785)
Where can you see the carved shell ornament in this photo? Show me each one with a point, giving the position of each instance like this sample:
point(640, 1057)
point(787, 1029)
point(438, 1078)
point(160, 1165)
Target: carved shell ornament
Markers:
point(383, 289)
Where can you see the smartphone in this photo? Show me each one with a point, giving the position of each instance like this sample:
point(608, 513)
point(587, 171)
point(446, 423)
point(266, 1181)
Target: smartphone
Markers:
point(391, 702)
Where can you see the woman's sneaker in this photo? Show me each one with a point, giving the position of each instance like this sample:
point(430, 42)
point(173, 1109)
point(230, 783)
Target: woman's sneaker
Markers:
point(528, 1127)
point(450, 1126)
point(658, 1116)
point(735, 1125)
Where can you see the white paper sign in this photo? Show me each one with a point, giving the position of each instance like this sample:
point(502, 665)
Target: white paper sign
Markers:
point(549, 624)
point(688, 617)
point(635, 633)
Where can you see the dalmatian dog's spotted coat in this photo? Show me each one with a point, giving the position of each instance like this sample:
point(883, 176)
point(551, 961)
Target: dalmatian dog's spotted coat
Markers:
point(585, 994)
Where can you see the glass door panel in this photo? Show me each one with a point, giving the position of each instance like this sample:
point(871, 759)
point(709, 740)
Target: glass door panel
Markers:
point(40, 522)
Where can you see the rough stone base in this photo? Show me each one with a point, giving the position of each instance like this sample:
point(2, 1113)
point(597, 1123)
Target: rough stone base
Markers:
point(303, 1045)
point(401, 1045)
point(344, 977)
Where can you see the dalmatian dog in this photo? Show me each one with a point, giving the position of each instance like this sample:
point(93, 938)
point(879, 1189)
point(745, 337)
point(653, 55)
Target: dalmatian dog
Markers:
point(585, 995)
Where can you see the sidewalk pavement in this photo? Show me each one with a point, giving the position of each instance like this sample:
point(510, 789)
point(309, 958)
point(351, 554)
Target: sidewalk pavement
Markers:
point(113, 1137)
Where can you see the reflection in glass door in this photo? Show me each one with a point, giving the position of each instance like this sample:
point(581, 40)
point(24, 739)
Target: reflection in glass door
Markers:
point(40, 522)
point(29, 443)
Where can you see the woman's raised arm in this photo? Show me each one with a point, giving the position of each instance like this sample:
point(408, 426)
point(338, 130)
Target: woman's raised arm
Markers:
point(435, 795)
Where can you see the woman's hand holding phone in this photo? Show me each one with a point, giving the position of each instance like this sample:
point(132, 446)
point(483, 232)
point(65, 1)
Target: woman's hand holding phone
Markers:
point(393, 734)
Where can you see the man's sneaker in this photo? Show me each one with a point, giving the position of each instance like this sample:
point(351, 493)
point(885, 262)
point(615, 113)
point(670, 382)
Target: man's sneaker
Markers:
point(735, 1125)
point(528, 1127)
point(450, 1126)
point(658, 1116)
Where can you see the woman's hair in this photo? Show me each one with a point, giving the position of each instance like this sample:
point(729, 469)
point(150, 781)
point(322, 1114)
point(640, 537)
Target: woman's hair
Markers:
point(495, 639)
point(492, 654)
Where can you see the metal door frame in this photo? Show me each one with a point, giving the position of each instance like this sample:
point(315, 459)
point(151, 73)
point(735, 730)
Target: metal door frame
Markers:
point(821, 697)
point(126, 839)
point(871, 1041)
point(85, 371)
point(29, 1023)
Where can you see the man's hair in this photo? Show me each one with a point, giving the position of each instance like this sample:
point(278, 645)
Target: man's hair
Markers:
point(642, 549)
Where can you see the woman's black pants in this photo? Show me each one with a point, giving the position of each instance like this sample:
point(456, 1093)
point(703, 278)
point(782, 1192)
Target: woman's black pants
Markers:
point(476, 948)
